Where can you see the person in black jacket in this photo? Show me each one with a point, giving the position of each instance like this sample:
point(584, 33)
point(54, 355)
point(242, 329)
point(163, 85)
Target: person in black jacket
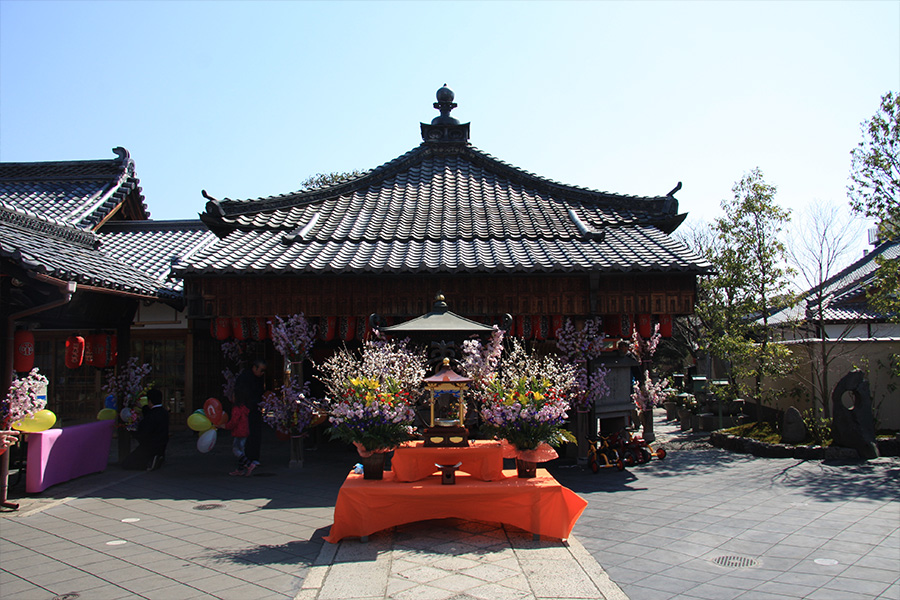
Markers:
point(152, 435)
point(248, 390)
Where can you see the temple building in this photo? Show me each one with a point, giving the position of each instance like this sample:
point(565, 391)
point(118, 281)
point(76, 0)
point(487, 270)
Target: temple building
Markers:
point(445, 217)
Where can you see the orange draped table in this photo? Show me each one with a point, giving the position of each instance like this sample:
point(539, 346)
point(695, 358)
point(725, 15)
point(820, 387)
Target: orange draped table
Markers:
point(482, 459)
point(539, 505)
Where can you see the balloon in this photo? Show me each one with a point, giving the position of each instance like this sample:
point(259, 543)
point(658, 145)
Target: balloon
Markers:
point(42, 420)
point(126, 414)
point(199, 422)
point(213, 409)
point(106, 414)
point(223, 420)
point(110, 402)
point(206, 441)
point(143, 401)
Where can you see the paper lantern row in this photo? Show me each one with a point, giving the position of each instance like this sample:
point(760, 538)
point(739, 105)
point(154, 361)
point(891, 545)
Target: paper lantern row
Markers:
point(96, 350)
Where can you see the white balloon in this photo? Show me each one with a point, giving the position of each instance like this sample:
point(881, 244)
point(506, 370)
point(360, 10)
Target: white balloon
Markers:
point(126, 414)
point(206, 441)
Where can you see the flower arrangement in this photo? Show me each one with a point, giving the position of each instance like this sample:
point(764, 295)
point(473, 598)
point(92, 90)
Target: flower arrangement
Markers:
point(526, 402)
point(648, 394)
point(371, 394)
point(292, 409)
point(128, 386)
point(645, 393)
point(291, 412)
point(23, 399)
point(480, 361)
point(294, 337)
point(579, 347)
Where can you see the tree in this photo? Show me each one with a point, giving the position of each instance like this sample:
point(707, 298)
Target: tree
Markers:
point(875, 167)
point(875, 192)
point(817, 256)
point(325, 179)
point(749, 282)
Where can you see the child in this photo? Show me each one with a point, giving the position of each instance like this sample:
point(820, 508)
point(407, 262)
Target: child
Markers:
point(239, 424)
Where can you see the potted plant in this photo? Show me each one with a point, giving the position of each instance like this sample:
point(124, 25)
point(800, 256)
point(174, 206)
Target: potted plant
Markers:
point(371, 398)
point(526, 404)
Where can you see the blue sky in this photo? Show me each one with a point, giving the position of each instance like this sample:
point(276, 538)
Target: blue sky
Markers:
point(248, 99)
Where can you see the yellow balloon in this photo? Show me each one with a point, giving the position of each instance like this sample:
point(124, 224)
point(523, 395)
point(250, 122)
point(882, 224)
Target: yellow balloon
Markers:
point(42, 420)
point(199, 422)
point(143, 401)
point(106, 414)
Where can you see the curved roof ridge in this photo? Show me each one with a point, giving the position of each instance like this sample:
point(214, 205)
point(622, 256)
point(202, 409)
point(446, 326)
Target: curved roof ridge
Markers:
point(26, 219)
point(558, 184)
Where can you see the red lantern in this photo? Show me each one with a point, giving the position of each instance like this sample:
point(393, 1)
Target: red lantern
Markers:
point(556, 323)
point(113, 351)
point(329, 328)
point(23, 361)
point(536, 328)
point(348, 328)
point(220, 328)
point(103, 350)
point(240, 329)
point(74, 351)
point(259, 329)
point(645, 326)
point(665, 325)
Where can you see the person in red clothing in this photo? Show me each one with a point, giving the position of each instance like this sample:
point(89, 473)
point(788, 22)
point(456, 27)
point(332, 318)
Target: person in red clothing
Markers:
point(239, 425)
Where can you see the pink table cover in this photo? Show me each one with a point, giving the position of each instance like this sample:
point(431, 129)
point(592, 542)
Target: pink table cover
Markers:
point(58, 455)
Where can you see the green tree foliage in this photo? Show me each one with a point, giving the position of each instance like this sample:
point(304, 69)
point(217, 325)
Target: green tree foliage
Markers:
point(875, 167)
point(325, 179)
point(749, 283)
point(875, 192)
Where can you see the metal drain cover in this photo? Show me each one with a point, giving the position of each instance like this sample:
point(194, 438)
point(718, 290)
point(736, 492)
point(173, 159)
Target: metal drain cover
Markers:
point(69, 596)
point(211, 506)
point(738, 562)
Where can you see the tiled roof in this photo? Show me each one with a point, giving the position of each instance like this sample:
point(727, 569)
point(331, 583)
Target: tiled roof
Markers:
point(153, 246)
point(55, 248)
point(82, 193)
point(444, 208)
point(844, 295)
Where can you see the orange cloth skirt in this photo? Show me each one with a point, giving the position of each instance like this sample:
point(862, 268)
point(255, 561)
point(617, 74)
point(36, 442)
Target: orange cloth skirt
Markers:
point(539, 505)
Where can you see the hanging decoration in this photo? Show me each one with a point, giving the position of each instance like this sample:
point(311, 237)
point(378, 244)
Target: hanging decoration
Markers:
point(220, 328)
point(665, 325)
point(74, 351)
point(645, 325)
point(23, 361)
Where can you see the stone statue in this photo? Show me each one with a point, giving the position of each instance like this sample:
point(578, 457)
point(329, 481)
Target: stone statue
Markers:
point(793, 430)
point(854, 427)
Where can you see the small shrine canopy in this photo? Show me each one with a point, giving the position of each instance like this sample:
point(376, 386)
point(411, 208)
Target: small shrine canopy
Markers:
point(439, 320)
point(444, 207)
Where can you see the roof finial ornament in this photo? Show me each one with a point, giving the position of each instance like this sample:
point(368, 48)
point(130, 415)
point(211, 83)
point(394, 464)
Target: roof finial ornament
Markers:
point(445, 129)
point(445, 104)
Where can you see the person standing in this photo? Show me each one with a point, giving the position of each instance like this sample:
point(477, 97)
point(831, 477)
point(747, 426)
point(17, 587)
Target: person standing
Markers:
point(248, 391)
point(239, 424)
point(152, 435)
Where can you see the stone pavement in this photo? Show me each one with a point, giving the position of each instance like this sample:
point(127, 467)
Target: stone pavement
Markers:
point(703, 524)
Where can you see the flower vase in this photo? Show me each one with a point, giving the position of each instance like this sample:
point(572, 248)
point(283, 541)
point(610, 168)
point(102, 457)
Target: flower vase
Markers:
point(527, 469)
point(373, 466)
point(296, 451)
point(647, 425)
